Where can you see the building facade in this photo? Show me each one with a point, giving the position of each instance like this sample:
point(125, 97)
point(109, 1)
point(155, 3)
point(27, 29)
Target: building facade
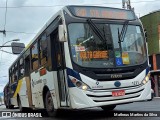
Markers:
point(151, 23)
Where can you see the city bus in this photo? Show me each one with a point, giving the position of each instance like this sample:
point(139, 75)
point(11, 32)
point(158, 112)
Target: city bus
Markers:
point(84, 56)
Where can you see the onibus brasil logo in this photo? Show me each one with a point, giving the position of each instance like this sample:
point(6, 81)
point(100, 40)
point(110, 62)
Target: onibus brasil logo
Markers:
point(13, 114)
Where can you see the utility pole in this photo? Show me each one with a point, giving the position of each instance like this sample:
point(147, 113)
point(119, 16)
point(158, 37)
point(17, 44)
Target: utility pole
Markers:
point(129, 5)
point(126, 4)
point(123, 4)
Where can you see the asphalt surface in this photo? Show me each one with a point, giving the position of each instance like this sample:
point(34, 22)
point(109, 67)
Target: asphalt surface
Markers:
point(146, 110)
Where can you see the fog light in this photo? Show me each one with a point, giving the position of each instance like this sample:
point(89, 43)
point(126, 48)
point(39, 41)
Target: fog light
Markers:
point(144, 82)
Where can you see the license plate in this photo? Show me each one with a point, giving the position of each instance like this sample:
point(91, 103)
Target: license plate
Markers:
point(118, 93)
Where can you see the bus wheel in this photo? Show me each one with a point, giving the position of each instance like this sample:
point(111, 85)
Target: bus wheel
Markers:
point(108, 108)
point(10, 106)
point(6, 106)
point(49, 105)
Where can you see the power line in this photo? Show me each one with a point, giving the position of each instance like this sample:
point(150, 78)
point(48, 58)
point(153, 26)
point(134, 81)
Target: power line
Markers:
point(41, 6)
point(4, 63)
point(33, 6)
point(6, 52)
point(19, 32)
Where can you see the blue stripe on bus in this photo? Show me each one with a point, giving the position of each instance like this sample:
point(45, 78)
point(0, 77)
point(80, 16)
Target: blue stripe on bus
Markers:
point(70, 84)
point(147, 70)
point(73, 74)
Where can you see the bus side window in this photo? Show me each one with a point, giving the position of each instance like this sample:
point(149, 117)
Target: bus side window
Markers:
point(12, 80)
point(21, 68)
point(34, 57)
point(43, 50)
point(15, 74)
point(10, 76)
point(15, 78)
point(59, 52)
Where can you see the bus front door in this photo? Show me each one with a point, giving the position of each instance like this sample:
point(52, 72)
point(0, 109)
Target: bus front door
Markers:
point(61, 70)
point(61, 76)
point(28, 81)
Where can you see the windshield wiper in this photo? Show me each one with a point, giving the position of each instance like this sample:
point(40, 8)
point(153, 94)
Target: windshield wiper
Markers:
point(119, 40)
point(123, 31)
point(96, 30)
point(90, 38)
point(122, 34)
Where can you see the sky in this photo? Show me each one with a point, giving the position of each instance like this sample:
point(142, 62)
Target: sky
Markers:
point(24, 18)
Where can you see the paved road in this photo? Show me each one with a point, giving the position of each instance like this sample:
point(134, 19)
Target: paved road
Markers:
point(138, 109)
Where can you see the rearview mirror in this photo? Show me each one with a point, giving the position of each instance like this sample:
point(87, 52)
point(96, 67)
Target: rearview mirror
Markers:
point(61, 33)
point(17, 48)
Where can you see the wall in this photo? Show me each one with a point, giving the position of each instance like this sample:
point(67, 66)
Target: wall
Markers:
point(150, 23)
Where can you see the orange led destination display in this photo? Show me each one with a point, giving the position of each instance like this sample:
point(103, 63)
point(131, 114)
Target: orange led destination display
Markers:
point(102, 12)
point(93, 54)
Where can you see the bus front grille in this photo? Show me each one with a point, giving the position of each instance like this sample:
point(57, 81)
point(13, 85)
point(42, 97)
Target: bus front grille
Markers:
point(107, 96)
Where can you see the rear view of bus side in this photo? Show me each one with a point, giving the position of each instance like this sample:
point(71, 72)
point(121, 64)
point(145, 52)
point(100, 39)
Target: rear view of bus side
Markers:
point(85, 56)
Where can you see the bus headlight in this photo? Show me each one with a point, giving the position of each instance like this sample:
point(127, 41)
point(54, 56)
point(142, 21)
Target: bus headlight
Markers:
point(146, 79)
point(79, 83)
point(84, 87)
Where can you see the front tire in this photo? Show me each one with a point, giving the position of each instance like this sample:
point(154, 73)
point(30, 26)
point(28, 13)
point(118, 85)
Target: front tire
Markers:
point(152, 96)
point(49, 105)
point(6, 106)
point(10, 106)
point(108, 108)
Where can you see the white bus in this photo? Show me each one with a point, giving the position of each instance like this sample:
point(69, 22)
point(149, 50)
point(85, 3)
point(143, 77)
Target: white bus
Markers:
point(85, 56)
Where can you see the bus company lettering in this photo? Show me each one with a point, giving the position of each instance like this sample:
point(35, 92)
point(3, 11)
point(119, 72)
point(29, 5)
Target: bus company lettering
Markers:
point(98, 86)
point(116, 76)
point(36, 82)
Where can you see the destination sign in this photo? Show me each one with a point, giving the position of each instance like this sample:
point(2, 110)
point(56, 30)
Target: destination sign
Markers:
point(94, 54)
point(102, 12)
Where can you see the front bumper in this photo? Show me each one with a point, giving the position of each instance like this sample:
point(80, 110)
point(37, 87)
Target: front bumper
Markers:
point(85, 99)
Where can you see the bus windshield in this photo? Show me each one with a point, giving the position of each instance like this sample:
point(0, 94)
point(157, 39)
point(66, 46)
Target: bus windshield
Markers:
point(90, 50)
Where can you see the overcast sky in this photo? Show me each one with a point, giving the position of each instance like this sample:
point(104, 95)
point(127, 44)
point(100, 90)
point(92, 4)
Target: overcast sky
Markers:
point(23, 20)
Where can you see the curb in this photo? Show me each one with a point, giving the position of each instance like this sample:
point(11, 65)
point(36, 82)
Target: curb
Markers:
point(156, 97)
